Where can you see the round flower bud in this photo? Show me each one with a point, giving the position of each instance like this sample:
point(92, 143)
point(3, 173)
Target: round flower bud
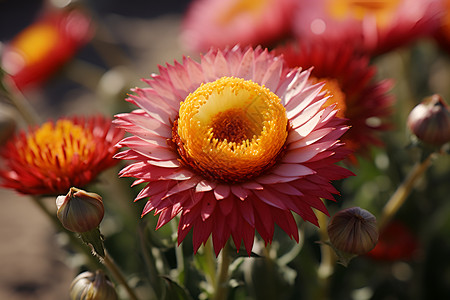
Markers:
point(353, 230)
point(80, 211)
point(90, 286)
point(430, 121)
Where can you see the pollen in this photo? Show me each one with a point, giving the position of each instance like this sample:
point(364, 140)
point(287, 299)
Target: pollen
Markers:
point(55, 147)
point(231, 129)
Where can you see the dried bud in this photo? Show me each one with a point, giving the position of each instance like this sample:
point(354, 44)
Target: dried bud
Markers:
point(90, 286)
point(430, 121)
point(80, 211)
point(353, 230)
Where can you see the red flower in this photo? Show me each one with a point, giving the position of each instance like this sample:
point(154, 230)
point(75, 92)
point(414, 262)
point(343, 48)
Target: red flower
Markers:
point(42, 48)
point(56, 156)
point(396, 242)
point(249, 144)
point(349, 78)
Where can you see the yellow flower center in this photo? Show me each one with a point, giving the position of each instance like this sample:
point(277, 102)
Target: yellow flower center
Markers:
point(241, 7)
point(36, 41)
point(55, 147)
point(382, 10)
point(333, 89)
point(231, 129)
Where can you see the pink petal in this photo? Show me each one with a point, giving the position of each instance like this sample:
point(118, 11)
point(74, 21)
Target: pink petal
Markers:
point(205, 185)
point(239, 191)
point(174, 163)
point(226, 205)
point(208, 205)
point(183, 186)
point(270, 198)
point(273, 74)
point(221, 191)
point(292, 170)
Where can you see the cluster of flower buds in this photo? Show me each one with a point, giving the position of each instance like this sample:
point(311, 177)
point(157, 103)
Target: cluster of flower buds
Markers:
point(353, 231)
point(429, 121)
point(92, 286)
point(80, 211)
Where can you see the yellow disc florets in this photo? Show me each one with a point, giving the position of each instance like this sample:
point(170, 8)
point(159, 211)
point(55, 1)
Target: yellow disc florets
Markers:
point(231, 129)
point(54, 147)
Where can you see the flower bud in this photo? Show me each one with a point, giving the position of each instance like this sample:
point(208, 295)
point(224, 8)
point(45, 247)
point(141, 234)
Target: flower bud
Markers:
point(353, 230)
point(90, 286)
point(430, 121)
point(80, 211)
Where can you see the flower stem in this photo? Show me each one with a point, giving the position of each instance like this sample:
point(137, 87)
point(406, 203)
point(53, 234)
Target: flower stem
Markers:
point(221, 284)
point(22, 105)
point(117, 274)
point(398, 198)
point(328, 258)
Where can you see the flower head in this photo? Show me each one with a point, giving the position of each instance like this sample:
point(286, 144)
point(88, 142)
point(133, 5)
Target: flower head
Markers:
point(349, 78)
point(93, 286)
point(43, 47)
point(80, 211)
point(216, 23)
point(374, 27)
point(249, 144)
point(430, 121)
point(58, 155)
point(353, 230)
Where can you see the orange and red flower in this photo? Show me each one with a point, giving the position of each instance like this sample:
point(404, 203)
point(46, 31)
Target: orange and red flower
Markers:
point(348, 76)
point(250, 143)
point(42, 48)
point(58, 155)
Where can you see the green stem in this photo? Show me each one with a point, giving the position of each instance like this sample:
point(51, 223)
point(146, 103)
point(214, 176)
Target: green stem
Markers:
point(22, 105)
point(117, 274)
point(221, 286)
point(210, 272)
point(402, 192)
point(178, 254)
point(328, 258)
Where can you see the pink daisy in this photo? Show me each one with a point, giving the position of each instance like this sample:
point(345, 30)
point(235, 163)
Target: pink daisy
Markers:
point(249, 144)
point(375, 27)
point(217, 23)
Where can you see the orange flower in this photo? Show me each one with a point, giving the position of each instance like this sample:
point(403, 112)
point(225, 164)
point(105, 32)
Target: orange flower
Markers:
point(42, 48)
point(56, 156)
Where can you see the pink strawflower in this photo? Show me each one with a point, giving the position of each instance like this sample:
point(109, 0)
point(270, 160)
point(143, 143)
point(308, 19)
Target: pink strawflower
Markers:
point(374, 27)
point(350, 79)
point(217, 23)
point(249, 144)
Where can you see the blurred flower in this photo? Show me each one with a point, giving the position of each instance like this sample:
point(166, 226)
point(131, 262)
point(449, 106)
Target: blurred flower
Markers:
point(374, 27)
point(353, 230)
point(396, 242)
point(92, 286)
point(216, 23)
point(80, 211)
point(42, 48)
point(250, 143)
point(442, 33)
point(350, 80)
point(430, 121)
point(56, 156)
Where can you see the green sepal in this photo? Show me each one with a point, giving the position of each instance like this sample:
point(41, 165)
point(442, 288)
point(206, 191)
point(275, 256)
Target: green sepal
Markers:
point(94, 239)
